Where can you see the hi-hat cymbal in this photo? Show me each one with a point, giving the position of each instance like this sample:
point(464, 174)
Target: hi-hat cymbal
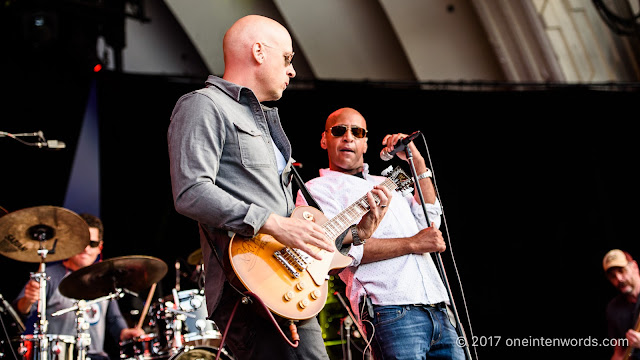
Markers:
point(134, 273)
point(195, 258)
point(24, 232)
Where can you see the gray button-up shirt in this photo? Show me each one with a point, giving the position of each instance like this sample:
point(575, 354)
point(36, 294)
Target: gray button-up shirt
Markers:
point(223, 168)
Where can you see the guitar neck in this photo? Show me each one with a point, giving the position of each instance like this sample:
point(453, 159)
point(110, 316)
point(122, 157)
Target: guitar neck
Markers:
point(341, 222)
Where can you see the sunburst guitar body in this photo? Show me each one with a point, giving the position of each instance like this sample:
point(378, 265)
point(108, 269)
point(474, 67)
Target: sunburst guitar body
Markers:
point(290, 282)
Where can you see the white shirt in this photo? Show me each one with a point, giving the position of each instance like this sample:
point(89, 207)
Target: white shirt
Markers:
point(408, 279)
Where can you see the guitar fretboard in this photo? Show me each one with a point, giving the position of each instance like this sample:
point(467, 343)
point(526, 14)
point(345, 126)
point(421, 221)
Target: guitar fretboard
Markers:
point(336, 226)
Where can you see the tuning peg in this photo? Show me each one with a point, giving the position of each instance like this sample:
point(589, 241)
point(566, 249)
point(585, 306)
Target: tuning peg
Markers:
point(387, 171)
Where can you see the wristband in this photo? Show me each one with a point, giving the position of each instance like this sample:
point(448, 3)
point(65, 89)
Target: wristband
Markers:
point(424, 175)
point(355, 238)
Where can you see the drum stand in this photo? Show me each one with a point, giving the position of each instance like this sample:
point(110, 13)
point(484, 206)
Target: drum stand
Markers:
point(83, 339)
point(42, 233)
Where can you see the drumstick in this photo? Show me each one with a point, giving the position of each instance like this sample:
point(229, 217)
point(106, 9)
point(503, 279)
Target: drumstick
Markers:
point(146, 306)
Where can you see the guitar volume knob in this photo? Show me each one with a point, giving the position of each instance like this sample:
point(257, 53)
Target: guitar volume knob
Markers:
point(288, 295)
point(315, 294)
point(303, 303)
point(300, 286)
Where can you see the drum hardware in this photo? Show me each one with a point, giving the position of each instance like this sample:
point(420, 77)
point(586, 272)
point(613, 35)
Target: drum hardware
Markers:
point(168, 320)
point(132, 274)
point(177, 275)
point(42, 234)
point(83, 339)
point(195, 329)
point(181, 325)
point(195, 258)
point(146, 346)
point(12, 323)
point(109, 279)
point(5, 307)
point(60, 347)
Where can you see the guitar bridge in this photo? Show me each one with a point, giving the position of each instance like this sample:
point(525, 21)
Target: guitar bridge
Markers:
point(292, 271)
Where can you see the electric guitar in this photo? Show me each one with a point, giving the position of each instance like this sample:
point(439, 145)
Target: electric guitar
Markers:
point(289, 281)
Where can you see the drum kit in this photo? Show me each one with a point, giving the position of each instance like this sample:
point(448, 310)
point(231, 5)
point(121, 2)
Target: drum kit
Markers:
point(179, 326)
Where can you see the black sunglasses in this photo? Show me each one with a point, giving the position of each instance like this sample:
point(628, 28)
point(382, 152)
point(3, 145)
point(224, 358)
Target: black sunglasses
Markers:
point(94, 243)
point(340, 130)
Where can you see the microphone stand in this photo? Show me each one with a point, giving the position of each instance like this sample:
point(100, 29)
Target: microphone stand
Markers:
point(347, 322)
point(437, 257)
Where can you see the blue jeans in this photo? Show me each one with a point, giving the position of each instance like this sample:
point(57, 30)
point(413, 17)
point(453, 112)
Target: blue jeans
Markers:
point(413, 332)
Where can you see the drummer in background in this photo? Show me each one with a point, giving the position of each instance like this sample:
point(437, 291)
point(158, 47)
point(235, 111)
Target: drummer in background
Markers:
point(103, 317)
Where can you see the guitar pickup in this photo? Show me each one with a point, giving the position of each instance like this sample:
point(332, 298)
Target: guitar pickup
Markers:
point(295, 256)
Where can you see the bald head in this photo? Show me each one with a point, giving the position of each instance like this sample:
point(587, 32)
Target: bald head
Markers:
point(345, 151)
point(340, 114)
point(254, 56)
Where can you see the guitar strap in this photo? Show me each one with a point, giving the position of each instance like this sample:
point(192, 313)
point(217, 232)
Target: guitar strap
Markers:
point(307, 196)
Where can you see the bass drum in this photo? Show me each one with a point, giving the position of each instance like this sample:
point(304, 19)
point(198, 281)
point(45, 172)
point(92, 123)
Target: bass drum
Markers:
point(201, 352)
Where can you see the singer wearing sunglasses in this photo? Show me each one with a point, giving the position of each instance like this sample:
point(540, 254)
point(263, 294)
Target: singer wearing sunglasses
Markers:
point(392, 282)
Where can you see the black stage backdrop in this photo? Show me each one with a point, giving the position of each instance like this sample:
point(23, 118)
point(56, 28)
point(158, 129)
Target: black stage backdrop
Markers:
point(536, 185)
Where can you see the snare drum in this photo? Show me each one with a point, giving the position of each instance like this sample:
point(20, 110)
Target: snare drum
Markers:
point(59, 347)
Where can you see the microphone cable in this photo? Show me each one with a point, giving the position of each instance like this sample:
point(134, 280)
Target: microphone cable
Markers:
point(448, 237)
point(17, 137)
point(40, 143)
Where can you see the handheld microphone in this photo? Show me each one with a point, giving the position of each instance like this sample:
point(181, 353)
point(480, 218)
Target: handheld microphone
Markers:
point(400, 145)
point(51, 144)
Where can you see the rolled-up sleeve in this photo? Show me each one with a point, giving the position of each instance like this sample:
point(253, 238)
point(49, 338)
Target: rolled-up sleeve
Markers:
point(434, 211)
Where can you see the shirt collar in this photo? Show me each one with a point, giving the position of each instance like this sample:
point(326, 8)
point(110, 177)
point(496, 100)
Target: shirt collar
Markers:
point(229, 88)
point(329, 172)
point(232, 89)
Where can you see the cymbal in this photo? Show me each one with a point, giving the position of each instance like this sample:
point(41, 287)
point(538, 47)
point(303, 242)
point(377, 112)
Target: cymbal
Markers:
point(24, 232)
point(195, 258)
point(134, 273)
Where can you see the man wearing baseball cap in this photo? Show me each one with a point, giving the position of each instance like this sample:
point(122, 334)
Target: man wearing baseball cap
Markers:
point(622, 311)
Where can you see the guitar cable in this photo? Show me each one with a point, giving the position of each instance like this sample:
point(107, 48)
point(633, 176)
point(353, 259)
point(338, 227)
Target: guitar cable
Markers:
point(246, 299)
point(368, 339)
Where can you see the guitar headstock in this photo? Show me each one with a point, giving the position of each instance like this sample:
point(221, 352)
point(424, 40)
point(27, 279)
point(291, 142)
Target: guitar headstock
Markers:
point(400, 178)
